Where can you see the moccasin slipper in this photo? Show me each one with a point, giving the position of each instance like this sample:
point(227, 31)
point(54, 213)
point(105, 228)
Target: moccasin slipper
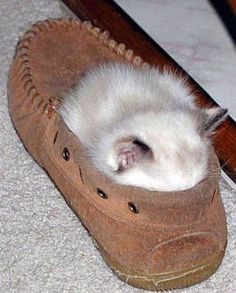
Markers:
point(152, 240)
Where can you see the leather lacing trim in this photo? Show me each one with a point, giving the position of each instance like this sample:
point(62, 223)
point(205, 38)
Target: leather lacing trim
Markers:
point(24, 72)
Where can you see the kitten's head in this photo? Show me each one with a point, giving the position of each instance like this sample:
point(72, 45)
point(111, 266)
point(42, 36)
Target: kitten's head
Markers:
point(168, 152)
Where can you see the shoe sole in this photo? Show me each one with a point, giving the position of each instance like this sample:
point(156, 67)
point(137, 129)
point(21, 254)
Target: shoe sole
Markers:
point(166, 280)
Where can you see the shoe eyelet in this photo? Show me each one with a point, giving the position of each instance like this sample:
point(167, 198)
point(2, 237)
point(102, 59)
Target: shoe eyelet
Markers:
point(66, 154)
point(101, 193)
point(133, 208)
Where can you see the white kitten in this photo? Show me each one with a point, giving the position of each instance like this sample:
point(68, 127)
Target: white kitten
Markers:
point(141, 127)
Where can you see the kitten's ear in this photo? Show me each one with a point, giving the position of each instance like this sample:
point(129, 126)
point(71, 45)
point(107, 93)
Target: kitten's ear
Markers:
point(211, 118)
point(130, 152)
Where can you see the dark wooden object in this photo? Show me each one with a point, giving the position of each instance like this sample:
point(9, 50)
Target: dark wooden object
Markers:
point(109, 16)
point(226, 9)
point(232, 4)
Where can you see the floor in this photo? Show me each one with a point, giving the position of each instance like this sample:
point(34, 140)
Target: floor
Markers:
point(43, 246)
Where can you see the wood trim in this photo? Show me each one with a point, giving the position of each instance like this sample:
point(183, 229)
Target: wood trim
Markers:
point(108, 15)
point(226, 9)
point(232, 4)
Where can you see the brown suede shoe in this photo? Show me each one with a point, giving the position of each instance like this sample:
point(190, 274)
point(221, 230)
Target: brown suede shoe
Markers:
point(152, 240)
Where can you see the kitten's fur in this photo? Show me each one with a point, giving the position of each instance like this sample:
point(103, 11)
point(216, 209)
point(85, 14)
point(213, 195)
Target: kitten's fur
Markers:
point(141, 127)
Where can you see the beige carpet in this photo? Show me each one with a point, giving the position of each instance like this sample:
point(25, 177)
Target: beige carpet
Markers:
point(43, 246)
